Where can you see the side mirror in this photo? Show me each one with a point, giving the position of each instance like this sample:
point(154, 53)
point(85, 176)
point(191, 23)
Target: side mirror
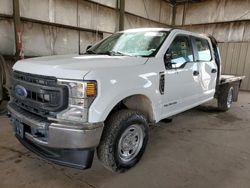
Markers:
point(167, 60)
point(88, 47)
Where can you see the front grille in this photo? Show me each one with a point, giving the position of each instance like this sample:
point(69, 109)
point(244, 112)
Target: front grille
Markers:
point(36, 79)
point(44, 96)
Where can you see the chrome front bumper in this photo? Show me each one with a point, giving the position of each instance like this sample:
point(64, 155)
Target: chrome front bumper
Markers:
point(63, 143)
point(56, 134)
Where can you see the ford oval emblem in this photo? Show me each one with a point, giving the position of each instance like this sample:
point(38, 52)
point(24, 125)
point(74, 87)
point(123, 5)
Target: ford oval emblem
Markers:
point(20, 92)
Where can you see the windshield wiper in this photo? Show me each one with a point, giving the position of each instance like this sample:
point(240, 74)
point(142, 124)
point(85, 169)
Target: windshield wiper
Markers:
point(90, 52)
point(110, 53)
point(116, 53)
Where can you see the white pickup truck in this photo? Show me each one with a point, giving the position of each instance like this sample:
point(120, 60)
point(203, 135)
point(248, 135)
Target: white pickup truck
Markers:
point(65, 107)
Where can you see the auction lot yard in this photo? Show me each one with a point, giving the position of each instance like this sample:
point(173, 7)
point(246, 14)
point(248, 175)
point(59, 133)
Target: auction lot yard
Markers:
point(201, 148)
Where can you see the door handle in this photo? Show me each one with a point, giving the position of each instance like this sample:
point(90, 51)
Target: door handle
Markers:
point(196, 73)
point(213, 70)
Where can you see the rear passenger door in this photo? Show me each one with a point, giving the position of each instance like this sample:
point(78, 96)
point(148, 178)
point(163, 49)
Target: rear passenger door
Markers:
point(207, 67)
point(181, 74)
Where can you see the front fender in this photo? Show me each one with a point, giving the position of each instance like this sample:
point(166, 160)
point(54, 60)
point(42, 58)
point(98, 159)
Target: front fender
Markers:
point(114, 86)
point(100, 110)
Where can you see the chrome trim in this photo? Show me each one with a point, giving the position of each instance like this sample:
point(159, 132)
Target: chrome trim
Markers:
point(69, 138)
point(33, 122)
point(73, 124)
point(73, 138)
point(35, 140)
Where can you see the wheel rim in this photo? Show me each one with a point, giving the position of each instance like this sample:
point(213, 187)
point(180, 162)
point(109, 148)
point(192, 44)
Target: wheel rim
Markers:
point(230, 97)
point(130, 143)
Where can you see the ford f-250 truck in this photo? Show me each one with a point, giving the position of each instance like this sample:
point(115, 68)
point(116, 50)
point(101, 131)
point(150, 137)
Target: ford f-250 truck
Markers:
point(65, 107)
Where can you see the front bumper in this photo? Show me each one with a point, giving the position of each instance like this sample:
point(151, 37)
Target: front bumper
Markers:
point(63, 143)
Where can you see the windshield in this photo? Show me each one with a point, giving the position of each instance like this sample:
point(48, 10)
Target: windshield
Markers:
point(144, 44)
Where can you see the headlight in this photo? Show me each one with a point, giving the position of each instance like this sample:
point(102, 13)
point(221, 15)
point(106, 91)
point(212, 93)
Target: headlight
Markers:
point(81, 95)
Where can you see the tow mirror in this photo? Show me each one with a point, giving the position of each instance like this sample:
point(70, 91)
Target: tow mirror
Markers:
point(167, 60)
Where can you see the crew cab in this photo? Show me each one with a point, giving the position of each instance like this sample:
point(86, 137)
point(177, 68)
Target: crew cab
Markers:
point(66, 107)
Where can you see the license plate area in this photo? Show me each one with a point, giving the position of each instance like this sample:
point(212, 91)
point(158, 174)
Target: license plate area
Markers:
point(19, 128)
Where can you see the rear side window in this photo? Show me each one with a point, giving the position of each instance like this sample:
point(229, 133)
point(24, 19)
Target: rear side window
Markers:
point(204, 52)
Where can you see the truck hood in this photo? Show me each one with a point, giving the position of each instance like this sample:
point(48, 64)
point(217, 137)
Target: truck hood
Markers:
point(74, 66)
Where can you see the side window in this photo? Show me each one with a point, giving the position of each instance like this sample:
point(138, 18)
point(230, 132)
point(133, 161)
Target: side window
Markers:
point(180, 52)
point(204, 52)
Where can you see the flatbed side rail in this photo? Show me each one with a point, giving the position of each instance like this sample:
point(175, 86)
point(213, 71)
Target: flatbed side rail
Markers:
point(224, 79)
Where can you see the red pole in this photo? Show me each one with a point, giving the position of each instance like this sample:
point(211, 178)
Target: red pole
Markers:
point(18, 31)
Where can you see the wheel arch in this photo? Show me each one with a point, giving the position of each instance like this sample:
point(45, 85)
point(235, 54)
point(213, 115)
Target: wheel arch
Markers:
point(137, 102)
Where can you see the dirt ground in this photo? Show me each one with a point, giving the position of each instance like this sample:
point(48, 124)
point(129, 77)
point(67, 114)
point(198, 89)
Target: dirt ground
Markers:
point(201, 148)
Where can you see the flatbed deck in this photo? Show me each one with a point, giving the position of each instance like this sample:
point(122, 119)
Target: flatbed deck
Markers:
point(230, 78)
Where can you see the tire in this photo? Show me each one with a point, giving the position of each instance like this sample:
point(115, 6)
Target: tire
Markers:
point(118, 149)
point(3, 107)
point(4, 102)
point(225, 98)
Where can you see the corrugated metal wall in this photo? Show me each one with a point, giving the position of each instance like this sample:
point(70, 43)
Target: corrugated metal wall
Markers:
point(236, 60)
point(53, 27)
point(83, 22)
point(229, 22)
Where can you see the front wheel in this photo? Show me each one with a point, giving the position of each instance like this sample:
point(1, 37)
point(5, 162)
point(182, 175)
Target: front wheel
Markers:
point(123, 141)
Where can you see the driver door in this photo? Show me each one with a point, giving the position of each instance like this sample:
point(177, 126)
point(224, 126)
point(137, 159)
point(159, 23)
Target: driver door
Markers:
point(181, 77)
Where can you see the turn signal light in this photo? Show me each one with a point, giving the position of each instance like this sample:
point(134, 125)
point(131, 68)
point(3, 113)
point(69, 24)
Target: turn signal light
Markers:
point(91, 89)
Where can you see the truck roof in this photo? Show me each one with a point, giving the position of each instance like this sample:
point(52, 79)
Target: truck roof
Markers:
point(161, 29)
point(146, 29)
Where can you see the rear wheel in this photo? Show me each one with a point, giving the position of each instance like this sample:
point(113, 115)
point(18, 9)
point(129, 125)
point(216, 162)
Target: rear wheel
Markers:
point(225, 99)
point(123, 141)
